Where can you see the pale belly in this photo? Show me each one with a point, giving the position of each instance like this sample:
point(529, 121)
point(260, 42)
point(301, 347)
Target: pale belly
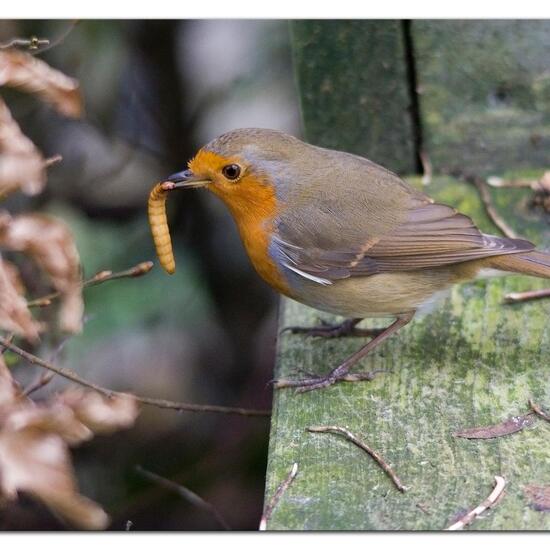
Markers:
point(382, 295)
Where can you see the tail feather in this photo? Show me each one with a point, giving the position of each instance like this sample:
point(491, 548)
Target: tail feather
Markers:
point(535, 263)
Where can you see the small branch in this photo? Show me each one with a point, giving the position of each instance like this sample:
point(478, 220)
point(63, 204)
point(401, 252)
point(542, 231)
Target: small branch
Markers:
point(518, 297)
point(423, 508)
point(60, 38)
point(538, 411)
point(539, 186)
point(160, 403)
point(101, 277)
point(66, 373)
point(10, 338)
point(193, 407)
point(32, 43)
point(496, 181)
point(350, 437)
point(487, 202)
point(52, 160)
point(281, 489)
point(185, 493)
point(491, 210)
point(490, 501)
point(427, 169)
point(43, 379)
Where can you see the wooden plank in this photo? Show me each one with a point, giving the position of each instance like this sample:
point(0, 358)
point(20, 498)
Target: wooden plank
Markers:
point(484, 93)
point(470, 362)
point(350, 73)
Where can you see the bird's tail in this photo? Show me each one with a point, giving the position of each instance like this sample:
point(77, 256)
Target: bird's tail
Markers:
point(535, 263)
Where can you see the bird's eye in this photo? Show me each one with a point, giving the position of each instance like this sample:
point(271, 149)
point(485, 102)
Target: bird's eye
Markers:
point(231, 171)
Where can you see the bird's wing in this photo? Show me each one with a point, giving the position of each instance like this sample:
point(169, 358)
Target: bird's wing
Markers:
point(428, 235)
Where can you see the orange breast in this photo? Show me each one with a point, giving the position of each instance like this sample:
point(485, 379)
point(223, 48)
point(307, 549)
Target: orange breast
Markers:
point(254, 208)
point(256, 239)
point(253, 204)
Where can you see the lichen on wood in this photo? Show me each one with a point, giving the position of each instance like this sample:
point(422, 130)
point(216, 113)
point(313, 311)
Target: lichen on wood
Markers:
point(471, 361)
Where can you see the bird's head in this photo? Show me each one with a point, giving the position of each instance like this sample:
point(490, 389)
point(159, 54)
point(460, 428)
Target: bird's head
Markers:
point(247, 168)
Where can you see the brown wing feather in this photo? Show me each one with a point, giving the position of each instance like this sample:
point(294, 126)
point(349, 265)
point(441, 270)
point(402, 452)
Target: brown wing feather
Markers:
point(432, 235)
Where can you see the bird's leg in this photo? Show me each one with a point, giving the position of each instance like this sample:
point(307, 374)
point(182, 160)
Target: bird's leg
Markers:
point(341, 372)
point(326, 330)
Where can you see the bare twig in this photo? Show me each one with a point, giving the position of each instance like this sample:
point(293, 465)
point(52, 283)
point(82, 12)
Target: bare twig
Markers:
point(350, 437)
point(101, 277)
point(540, 185)
point(9, 338)
point(538, 411)
point(31, 43)
point(421, 506)
point(485, 196)
point(185, 493)
point(193, 407)
point(491, 210)
point(426, 168)
point(518, 297)
point(60, 38)
point(160, 403)
point(281, 489)
point(44, 378)
point(52, 160)
point(490, 501)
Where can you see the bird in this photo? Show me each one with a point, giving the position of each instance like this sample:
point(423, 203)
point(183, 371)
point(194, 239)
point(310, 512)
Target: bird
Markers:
point(344, 235)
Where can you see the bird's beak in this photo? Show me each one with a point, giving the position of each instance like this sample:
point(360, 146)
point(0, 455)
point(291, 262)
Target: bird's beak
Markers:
point(187, 180)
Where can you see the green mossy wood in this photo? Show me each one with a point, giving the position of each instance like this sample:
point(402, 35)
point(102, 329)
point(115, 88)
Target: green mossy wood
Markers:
point(348, 73)
point(484, 89)
point(470, 362)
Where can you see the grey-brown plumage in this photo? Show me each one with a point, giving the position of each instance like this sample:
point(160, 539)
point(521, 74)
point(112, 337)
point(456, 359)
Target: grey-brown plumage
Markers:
point(350, 237)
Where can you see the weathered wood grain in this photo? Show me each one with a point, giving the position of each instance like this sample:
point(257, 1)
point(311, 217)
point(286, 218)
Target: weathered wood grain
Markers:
point(353, 88)
point(472, 361)
point(484, 93)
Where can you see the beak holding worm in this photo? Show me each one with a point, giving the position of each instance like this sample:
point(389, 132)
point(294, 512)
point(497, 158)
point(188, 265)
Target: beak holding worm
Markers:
point(158, 220)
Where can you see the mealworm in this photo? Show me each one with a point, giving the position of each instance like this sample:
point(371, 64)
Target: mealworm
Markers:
point(159, 225)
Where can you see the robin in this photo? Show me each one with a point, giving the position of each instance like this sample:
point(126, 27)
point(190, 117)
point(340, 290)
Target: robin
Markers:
point(344, 235)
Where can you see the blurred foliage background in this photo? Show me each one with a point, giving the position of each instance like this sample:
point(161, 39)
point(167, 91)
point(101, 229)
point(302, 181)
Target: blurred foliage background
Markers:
point(155, 91)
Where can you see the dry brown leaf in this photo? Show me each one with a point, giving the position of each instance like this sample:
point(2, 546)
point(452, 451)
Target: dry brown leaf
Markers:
point(510, 426)
point(8, 387)
point(38, 463)
point(101, 414)
point(35, 439)
point(539, 496)
point(22, 70)
point(22, 166)
point(12, 271)
point(55, 418)
point(14, 313)
point(34, 445)
point(50, 243)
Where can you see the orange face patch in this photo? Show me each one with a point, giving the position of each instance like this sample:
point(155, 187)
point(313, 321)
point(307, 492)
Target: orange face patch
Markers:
point(252, 203)
point(207, 163)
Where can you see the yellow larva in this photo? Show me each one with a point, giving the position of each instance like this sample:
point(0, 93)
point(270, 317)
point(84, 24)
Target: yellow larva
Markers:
point(159, 226)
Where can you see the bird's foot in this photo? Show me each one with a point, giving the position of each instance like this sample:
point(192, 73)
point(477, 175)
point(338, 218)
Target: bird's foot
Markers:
point(327, 330)
point(310, 384)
